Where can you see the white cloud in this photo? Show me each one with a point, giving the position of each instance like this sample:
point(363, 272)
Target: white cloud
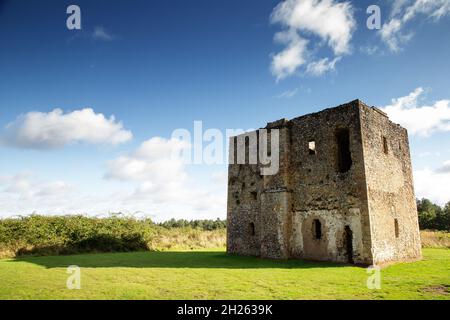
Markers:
point(54, 188)
point(220, 177)
point(286, 62)
point(155, 161)
point(403, 12)
point(24, 193)
point(322, 66)
point(445, 168)
point(163, 182)
point(26, 186)
point(433, 185)
point(331, 21)
point(152, 181)
point(38, 130)
point(100, 33)
point(328, 19)
point(422, 120)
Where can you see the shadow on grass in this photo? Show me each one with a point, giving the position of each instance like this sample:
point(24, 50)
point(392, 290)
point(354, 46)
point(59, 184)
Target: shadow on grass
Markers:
point(171, 259)
point(96, 243)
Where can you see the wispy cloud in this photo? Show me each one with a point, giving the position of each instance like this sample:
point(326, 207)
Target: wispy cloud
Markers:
point(322, 66)
point(370, 49)
point(429, 154)
point(288, 94)
point(331, 21)
point(393, 31)
point(100, 33)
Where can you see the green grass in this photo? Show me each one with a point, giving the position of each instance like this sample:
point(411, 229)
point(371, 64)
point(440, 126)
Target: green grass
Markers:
point(214, 275)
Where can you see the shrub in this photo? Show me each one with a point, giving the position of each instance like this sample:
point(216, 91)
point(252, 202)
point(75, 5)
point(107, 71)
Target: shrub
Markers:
point(44, 235)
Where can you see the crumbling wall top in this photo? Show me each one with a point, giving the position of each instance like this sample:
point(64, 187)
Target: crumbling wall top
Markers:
point(277, 124)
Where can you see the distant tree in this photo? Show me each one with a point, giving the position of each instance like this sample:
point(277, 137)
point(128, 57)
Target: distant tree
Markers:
point(427, 214)
point(432, 216)
point(443, 219)
point(208, 225)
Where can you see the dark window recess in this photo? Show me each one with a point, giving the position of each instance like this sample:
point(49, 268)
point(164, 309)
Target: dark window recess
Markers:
point(251, 228)
point(385, 145)
point(247, 150)
point(397, 230)
point(254, 195)
point(344, 157)
point(235, 153)
point(312, 147)
point(317, 226)
point(348, 238)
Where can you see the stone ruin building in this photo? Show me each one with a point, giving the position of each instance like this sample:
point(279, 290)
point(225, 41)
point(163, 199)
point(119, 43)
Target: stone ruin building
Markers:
point(343, 192)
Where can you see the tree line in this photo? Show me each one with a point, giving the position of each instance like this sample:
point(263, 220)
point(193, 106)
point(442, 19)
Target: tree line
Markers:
point(207, 224)
point(433, 216)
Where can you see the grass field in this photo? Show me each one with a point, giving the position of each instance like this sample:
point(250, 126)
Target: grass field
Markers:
point(214, 275)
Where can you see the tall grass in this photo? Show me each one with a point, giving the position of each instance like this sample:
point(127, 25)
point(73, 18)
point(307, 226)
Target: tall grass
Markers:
point(187, 238)
point(435, 239)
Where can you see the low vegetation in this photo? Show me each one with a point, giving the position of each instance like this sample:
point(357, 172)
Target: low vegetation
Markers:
point(62, 235)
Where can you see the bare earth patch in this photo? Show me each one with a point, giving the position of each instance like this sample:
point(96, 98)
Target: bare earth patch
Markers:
point(437, 289)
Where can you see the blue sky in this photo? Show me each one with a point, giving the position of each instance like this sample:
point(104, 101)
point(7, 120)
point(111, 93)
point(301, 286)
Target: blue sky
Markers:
point(160, 65)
